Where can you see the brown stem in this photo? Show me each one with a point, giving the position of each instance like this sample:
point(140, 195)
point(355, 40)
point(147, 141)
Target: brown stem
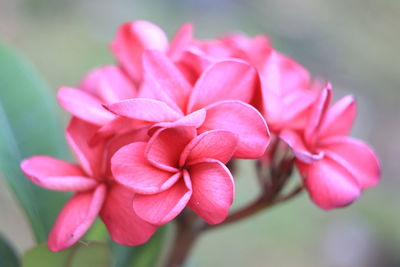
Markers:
point(187, 231)
point(269, 196)
point(297, 190)
point(245, 212)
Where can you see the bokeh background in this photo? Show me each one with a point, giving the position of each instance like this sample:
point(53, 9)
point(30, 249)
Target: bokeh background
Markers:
point(354, 44)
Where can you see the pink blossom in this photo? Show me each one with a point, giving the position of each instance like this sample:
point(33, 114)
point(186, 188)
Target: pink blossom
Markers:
point(216, 101)
point(175, 168)
point(282, 92)
point(286, 90)
point(95, 191)
point(153, 68)
point(336, 168)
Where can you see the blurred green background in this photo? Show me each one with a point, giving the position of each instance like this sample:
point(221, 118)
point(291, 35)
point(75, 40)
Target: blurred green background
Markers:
point(354, 44)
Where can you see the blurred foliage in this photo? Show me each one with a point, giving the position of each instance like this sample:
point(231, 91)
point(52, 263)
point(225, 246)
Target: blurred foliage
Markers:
point(8, 256)
point(80, 255)
point(147, 255)
point(29, 125)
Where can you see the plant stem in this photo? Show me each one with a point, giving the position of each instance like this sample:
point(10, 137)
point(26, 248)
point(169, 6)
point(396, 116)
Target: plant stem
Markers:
point(187, 231)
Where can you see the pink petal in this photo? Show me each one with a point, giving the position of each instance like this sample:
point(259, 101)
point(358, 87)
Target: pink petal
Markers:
point(55, 174)
point(296, 102)
point(132, 39)
point(166, 145)
point(356, 157)
point(225, 80)
point(295, 76)
point(193, 62)
point(256, 50)
point(120, 140)
point(339, 118)
point(194, 119)
point(165, 80)
point(181, 41)
point(213, 190)
point(124, 226)
point(78, 134)
point(139, 134)
point(287, 74)
point(272, 77)
point(215, 144)
point(288, 112)
point(330, 185)
point(84, 106)
point(317, 115)
point(75, 218)
point(163, 207)
point(117, 126)
point(244, 121)
point(109, 84)
point(294, 140)
point(145, 109)
point(131, 169)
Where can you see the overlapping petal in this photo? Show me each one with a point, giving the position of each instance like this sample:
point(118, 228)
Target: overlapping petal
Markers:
point(224, 80)
point(133, 170)
point(244, 121)
point(339, 118)
point(166, 145)
point(181, 41)
point(296, 143)
point(165, 80)
point(132, 39)
point(84, 106)
point(119, 125)
point(255, 50)
point(79, 133)
point(124, 226)
point(356, 157)
point(145, 109)
point(194, 119)
point(55, 174)
point(109, 84)
point(215, 144)
point(317, 115)
point(330, 185)
point(75, 218)
point(213, 190)
point(163, 207)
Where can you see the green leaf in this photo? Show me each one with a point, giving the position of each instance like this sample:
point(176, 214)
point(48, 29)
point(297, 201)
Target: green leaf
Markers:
point(122, 255)
point(80, 255)
point(29, 125)
point(97, 232)
point(147, 255)
point(8, 256)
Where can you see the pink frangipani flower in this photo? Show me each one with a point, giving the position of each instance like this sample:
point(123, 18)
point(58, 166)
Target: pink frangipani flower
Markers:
point(95, 191)
point(336, 168)
point(178, 168)
point(216, 101)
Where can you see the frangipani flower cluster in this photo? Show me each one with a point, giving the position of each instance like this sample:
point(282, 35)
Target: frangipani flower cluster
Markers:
point(153, 133)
